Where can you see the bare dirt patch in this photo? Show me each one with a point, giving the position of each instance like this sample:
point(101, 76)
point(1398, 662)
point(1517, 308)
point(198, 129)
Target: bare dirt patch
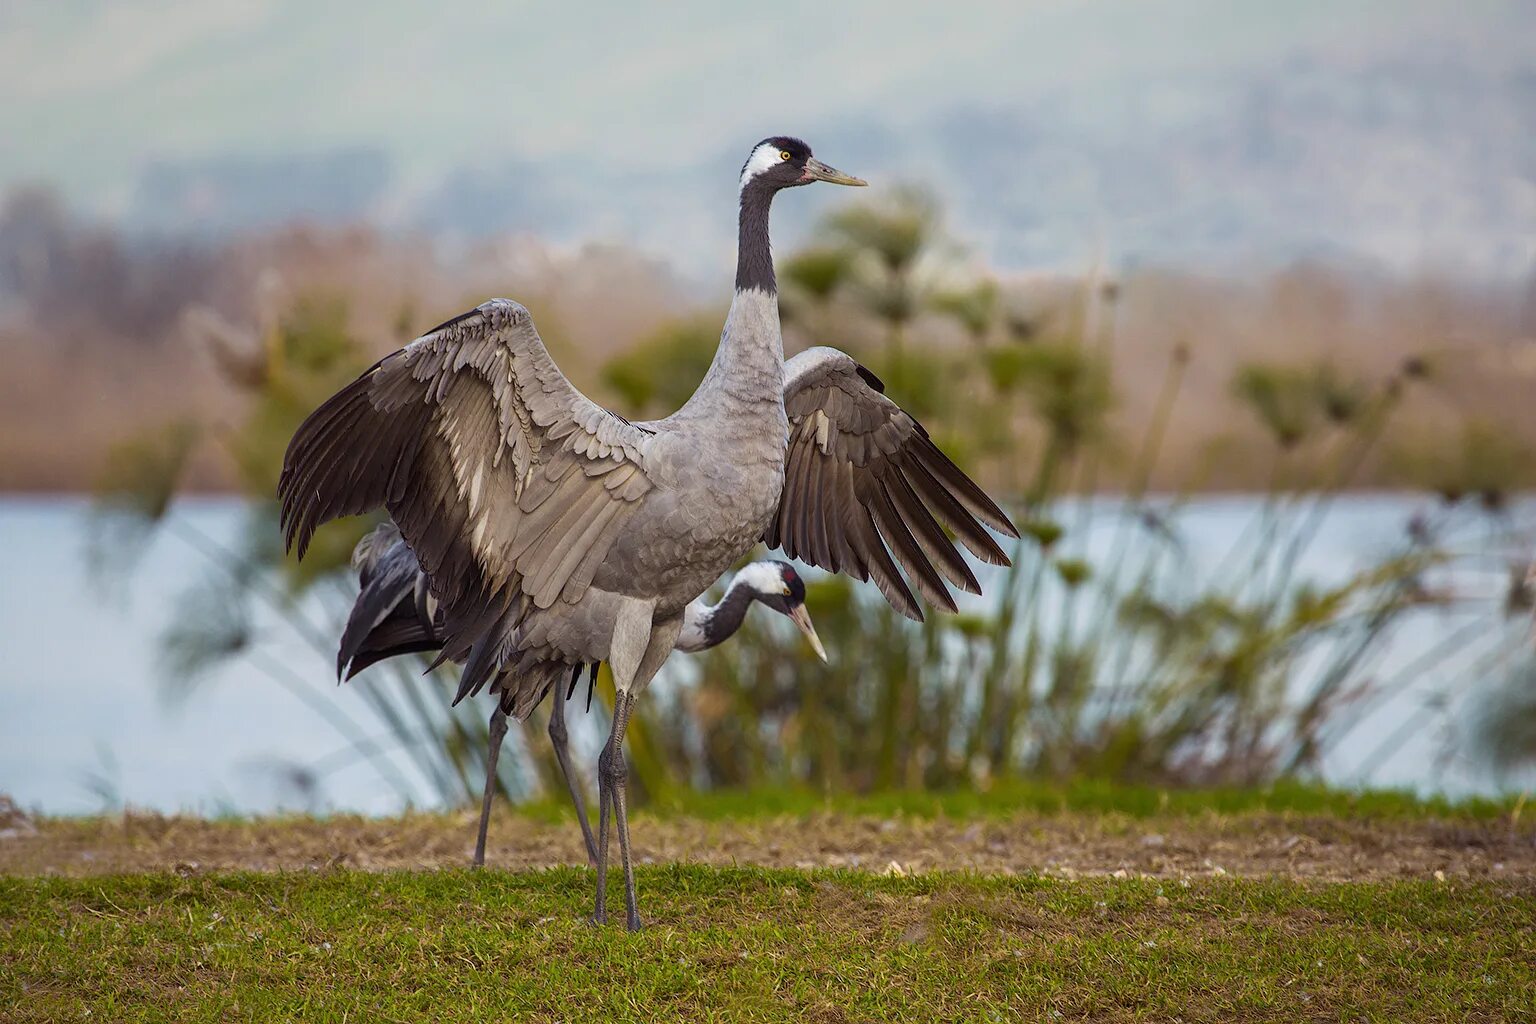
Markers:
point(1066, 845)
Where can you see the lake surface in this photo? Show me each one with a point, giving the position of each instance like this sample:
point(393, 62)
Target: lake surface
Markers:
point(85, 720)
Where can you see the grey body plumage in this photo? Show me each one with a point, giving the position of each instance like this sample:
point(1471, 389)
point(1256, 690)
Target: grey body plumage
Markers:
point(555, 532)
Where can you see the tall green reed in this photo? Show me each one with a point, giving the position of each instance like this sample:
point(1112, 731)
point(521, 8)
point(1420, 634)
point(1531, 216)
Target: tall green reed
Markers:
point(1117, 645)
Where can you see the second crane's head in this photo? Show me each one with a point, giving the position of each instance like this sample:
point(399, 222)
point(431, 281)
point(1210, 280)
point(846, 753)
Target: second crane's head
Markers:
point(783, 162)
point(777, 585)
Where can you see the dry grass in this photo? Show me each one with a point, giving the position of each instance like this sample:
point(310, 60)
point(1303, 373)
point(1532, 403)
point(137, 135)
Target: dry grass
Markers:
point(80, 377)
point(1249, 845)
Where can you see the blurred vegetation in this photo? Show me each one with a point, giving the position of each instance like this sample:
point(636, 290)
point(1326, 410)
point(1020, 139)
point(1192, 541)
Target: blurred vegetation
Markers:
point(257, 604)
point(659, 374)
point(1116, 647)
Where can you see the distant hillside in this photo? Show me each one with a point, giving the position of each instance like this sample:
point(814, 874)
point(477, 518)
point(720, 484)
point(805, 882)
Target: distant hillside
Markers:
point(1402, 163)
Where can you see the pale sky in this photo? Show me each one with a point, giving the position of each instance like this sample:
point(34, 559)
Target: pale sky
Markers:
point(92, 93)
point(89, 91)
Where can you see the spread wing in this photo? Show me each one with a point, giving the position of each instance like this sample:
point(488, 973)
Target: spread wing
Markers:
point(866, 490)
point(508, 483)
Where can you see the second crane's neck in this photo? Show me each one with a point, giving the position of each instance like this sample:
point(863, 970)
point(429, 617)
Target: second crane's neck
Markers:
point(705, 625)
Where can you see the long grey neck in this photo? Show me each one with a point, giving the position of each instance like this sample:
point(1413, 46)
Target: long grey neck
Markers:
point(754, 253)
point(705, 626)
point(747, 375)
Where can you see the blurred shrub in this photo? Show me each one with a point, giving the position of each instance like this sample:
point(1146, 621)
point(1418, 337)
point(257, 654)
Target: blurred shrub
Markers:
point(1483, 460)
point(261, 605)
point(659, 374)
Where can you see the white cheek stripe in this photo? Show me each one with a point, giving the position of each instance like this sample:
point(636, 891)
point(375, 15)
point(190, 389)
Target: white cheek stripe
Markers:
point(763, 157)
point(763, 577)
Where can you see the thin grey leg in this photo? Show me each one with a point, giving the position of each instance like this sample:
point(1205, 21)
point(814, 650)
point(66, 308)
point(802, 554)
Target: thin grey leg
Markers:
point(639, 647)
point(557, 737)
point(600, 912)
point(498, 733)
point(615, 773)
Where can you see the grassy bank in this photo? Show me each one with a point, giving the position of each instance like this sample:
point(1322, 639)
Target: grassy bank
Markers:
point(762, 944)
point(1025, 903)
point(1292, 831)
point(1013, 797)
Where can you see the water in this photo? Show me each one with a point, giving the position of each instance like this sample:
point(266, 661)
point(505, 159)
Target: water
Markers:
point(85, 722)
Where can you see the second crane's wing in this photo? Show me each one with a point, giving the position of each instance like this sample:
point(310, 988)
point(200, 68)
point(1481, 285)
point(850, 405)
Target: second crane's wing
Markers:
point(866, 489)
point(393, 613)
point(508, 483)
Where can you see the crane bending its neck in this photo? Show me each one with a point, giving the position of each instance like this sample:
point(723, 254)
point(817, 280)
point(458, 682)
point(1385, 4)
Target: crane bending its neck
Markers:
point(705, 625)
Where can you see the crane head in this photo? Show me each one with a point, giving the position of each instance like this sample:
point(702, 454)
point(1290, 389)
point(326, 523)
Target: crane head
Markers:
point(784, 162)
point(777, 585)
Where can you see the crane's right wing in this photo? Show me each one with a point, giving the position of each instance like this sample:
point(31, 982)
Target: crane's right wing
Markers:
point(866, 489)
point(508, 483)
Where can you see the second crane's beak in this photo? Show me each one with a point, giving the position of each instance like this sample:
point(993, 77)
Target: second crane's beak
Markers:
point(815, 170)
point(802, 618)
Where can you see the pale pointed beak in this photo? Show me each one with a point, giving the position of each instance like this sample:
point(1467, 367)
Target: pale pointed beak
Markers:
point(815, 170)
point(802, 618)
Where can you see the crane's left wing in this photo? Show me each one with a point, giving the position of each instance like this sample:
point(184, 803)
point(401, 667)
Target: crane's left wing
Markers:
point(866, 489)
point(509, 485)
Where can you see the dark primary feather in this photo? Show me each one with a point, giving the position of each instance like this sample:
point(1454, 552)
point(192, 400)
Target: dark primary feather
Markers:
point(867, 491)
point(389, 619)
point(402, 632)
point(387, 574)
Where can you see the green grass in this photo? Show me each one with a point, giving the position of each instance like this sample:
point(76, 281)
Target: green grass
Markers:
point(761, 945)
point(1009, 798)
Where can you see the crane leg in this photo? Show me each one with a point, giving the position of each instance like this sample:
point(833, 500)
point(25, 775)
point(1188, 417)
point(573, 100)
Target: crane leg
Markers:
point(498, 733)
point(557, 738)
point(613, 774)
point(632, 636)
point(639, 647)
point(600, 911)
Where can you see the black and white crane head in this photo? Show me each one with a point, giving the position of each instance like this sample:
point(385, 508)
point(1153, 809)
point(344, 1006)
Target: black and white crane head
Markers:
point(783, 161)
point(771, 583)
point(776, 163)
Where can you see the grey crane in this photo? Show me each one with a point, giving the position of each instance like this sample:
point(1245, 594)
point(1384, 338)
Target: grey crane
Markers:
point(395, 614)
point(555, 532)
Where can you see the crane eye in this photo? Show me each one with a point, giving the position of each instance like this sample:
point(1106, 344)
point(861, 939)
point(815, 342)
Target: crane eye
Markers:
point(783, 154)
